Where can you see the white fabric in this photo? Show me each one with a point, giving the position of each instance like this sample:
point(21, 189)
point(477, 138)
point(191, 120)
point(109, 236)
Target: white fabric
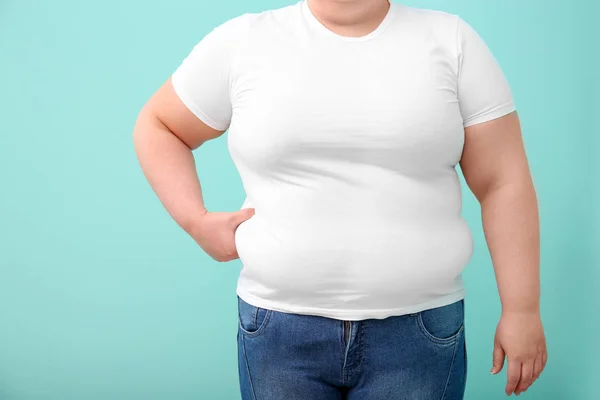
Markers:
point(347, 148)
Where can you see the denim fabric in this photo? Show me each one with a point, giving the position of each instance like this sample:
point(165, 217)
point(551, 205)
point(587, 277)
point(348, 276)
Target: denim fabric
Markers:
point(284, 356)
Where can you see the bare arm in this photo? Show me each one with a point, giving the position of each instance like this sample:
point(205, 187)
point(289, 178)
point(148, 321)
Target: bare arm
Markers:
point(164, 136)
point(496, 170)
point(495, 167)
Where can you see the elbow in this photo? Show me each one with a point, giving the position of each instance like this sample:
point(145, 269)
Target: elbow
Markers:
point(143, 120)
point(515, 189)
point(146, 128)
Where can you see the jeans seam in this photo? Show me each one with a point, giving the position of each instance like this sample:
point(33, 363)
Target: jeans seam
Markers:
point(255, 317)
point(342, 356)
point(450, 370)
point(439, 341)
point(248, 368)
point(261, 328)
point(466, 360)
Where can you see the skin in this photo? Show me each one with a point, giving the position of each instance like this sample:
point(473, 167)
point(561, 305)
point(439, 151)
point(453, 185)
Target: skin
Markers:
point(164, 136)
point(493, 163)
point(495, 168)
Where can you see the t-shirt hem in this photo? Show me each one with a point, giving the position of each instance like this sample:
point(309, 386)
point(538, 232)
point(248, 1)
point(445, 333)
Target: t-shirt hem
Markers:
point(492, 114)
point(351, 315)
point(189, 103)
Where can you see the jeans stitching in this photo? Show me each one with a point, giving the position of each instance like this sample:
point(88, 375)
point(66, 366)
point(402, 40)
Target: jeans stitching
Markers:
point(465, 355)
point(255, 317)
point(342, 355)
point(443, 342)
point(347, 346)
point(450, 370)
point(465, 364)
point(362, 344)
point(261, 328)
point(248, 367)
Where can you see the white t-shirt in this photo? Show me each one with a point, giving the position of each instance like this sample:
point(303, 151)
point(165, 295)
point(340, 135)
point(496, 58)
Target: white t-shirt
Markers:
point(347, 148)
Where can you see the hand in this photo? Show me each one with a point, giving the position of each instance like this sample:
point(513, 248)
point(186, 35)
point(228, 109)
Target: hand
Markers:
point(215, 233)
point(520, 337)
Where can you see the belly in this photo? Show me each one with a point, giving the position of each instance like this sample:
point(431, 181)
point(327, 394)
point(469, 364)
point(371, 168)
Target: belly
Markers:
point(351, 262)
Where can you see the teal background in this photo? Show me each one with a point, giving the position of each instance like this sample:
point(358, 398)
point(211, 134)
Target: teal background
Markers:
point(102, 296)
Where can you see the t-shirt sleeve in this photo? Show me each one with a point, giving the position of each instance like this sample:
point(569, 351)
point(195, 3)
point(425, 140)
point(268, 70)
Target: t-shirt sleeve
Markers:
point(483, 91)
point(202, 80)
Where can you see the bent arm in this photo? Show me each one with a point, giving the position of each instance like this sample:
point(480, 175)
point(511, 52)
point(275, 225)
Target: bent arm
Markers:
point(495, 168)
point(164, 136)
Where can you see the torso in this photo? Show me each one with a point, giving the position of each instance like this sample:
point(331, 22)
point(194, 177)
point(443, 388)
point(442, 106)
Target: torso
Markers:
point(347, 151)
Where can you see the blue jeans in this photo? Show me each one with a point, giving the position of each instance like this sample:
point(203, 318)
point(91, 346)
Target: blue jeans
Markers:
point(284, 356)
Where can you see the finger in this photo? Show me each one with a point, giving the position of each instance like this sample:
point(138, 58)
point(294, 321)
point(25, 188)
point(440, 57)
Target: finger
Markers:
point(498, 358)
point(231, 254)
point(526, 377)
point(242, 215)
point(544, 359)
point(514, 376)
point(537, 367)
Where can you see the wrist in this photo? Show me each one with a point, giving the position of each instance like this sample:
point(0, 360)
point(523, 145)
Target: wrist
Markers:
point(194, 221)
point(521, 309)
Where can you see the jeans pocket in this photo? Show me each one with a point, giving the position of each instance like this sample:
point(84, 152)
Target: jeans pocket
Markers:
point(442, 325)
point(252, 319)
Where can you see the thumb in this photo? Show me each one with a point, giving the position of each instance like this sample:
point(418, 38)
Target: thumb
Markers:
point(242, 215)
point(499, 356)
